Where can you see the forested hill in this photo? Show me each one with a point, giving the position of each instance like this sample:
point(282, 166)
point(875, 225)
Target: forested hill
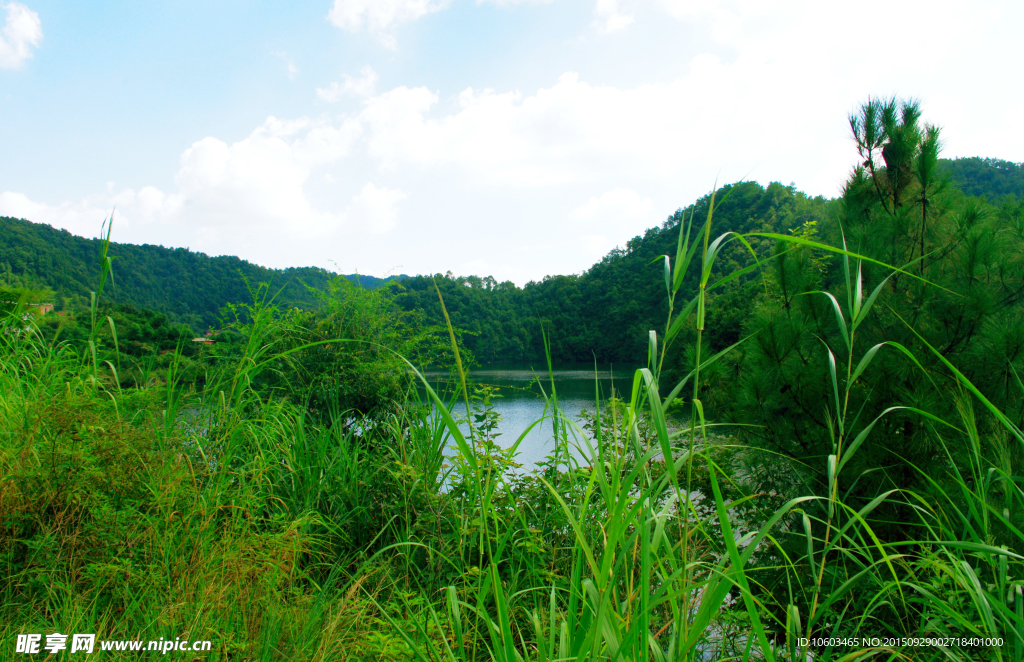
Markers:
point(989, 178)
point(606, 312)
point(191, 287)
point(603, 313)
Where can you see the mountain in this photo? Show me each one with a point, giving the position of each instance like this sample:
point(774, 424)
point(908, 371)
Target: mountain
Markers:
point(188, 286)
point(603, 313)
point(984, 177)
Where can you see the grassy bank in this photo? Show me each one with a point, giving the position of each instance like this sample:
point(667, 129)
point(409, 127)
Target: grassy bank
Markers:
point(221, 512)
point(295, 495)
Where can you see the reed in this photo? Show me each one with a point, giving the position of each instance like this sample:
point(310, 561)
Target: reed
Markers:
point(220, 510)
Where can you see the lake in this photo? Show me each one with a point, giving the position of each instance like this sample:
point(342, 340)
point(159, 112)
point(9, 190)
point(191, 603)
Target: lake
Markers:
point(521, 402)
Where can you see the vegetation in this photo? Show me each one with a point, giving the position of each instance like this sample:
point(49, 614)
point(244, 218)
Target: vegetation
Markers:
point(990, 178)
point(821, 457)
point(30, 300)
point(961, 292)
point(603, 312)
point(606, 311)
point(190, 288)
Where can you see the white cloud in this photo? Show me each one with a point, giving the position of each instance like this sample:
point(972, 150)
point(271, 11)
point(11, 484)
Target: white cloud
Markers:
point(379, 17)
point(612, 217)
point(609, 16)
point(130, 209)
point(363, 86)
point(290, 66)
point(576, 161)
point(230, 192)
point(688, 8)
point(772, 102)
point(617, 204)
point(776, 29)
point(570, 132)
point(374, 209)
point(596, 245)
point(82, 218)
point(21, 32)
point(261, 179)
point(507, 3)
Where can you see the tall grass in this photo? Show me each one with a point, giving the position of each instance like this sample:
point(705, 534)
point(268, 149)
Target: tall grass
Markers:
point(647, 574)
point(221, 511)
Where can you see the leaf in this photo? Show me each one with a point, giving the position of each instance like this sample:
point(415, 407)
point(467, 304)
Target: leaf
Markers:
point(677, 324)
point(684, 254)
point(859, 317)
point(841, 251)
point(652, 348)
point(835, 387)
point(859, 295)
point(668, 276)
point(870, 354)
point(113, 333)
point(739, 564)
point(840, 320)
point(1007, 423)
point(859, 439)
point(679, 387)
point(709, 256)
point(810, 543)
point(846, 271)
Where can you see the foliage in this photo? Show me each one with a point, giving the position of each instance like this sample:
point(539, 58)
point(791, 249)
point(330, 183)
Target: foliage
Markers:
point(605, 312)
point(249, 508)
point(343, 358)
point(960, 290)
point(29, 299)
point(189, 287)
point(985, 177)
point(502, 320)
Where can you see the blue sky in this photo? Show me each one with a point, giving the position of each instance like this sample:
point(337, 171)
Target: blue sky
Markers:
point(517, 138)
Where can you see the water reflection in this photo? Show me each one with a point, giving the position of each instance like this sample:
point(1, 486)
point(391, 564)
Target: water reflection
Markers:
point(522, 400)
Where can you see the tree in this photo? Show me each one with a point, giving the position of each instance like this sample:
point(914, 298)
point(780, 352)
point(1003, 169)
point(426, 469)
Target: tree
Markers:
point(343, 359)
point(960, 291)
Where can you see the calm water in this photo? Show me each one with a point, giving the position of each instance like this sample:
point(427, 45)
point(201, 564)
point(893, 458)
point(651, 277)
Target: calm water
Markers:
point(521, 402)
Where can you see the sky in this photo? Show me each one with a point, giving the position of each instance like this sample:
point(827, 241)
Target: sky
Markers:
point(512, 138)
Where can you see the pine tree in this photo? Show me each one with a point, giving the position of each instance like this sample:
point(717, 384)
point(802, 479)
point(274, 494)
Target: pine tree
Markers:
point(959, 288)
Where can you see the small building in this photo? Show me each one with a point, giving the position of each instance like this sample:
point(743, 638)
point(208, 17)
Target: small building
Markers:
point(32, 309)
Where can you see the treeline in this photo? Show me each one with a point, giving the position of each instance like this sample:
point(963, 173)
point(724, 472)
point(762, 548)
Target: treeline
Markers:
point(189, 287)
point(985, 177)
point(942, 283)
point(848, 469)
point(605, 312)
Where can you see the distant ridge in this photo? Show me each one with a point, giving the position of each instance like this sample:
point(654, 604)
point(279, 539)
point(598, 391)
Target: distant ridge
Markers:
point(986, 177)
point(503, 320)
point(188, 286)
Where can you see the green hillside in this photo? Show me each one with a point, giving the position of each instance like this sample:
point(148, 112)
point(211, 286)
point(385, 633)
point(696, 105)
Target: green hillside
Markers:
point(606, 312)
point(985, 177)
point(602, 313)
point(190, 287)
point(842, 479)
